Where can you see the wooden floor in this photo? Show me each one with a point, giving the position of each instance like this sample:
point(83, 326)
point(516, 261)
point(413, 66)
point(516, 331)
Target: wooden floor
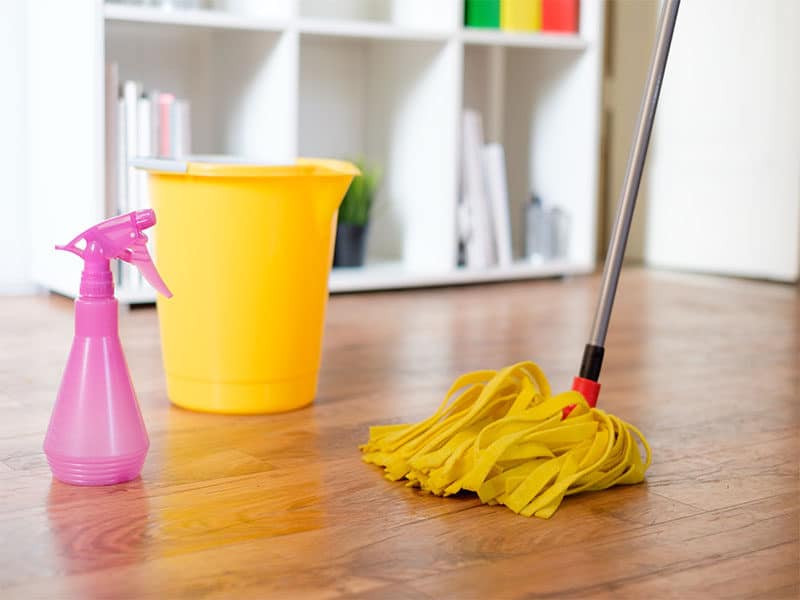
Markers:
point(282, 506)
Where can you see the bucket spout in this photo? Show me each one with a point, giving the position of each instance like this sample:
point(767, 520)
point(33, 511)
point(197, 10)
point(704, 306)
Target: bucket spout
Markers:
point(333, 178)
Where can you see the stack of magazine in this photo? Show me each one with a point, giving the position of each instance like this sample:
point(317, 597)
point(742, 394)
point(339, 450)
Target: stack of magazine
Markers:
point(139, 122)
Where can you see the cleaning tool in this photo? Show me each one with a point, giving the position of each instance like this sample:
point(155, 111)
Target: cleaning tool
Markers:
point(247, 249)
point(503, 434)
point(96, 434)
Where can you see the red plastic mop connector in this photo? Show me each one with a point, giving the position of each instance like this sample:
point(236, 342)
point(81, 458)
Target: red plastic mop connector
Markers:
point(588, 389)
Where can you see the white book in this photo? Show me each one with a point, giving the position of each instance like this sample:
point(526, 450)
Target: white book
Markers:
point(154, 121)
point(155, 139)
point(121, 156)
point(111, 147)
point(131, 90)
point(181, 128)
point(479, 243)
point(143, 148)
point(121, 176)
point(494, 163)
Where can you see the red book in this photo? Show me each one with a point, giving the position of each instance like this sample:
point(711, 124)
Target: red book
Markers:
point(560, 15)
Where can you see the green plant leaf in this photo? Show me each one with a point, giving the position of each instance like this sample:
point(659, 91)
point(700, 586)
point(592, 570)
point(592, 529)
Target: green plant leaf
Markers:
point(358, 200)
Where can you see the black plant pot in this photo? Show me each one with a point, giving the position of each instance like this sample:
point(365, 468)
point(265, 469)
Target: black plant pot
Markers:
point(351, 244)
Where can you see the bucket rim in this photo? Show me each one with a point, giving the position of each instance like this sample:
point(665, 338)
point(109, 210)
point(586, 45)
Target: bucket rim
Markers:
point(225, 166)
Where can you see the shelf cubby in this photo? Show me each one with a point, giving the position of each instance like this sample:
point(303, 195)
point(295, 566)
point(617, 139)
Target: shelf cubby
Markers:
point(541, 104)
point(244, 79)
point(395, 103)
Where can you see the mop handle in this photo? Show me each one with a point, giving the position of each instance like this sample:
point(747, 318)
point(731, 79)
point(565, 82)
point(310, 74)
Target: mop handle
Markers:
point(593, 354)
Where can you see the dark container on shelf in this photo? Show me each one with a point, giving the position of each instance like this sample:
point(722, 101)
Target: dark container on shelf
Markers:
point(351, 244)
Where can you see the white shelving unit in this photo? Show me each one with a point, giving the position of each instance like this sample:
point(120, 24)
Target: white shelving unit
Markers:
point(385, 79)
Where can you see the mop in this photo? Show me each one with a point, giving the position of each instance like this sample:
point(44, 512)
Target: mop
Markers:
point(503, 434)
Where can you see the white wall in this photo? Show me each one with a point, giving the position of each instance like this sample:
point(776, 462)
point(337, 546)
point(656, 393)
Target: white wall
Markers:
point(14, 226)
point(724, 180)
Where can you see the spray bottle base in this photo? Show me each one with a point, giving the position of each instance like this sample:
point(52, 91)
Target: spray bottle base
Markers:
point(98, 471)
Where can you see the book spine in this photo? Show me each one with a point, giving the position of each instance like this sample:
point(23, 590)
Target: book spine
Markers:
point(144, 141)
point(165, 110)
point(121, 174)
point(131, 90)
point(183, 130)
point(480, 245)
point(111, 136)
point(495, 168)
point(154, 121)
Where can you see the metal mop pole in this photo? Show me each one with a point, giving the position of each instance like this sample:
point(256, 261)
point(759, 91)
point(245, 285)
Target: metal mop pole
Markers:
point(593, 354)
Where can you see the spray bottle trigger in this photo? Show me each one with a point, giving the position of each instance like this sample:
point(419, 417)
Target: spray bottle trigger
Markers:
point(140, 257)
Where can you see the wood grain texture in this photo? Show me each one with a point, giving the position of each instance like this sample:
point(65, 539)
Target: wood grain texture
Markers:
point(282, 506)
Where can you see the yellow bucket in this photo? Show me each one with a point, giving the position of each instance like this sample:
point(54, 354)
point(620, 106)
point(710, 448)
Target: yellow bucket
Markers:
point(246, 250)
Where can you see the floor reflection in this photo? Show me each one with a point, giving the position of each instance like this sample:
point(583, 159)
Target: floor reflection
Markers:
point(97, 528)
point(236, 479)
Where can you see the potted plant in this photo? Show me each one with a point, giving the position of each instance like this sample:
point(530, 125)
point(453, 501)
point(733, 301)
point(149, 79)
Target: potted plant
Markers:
point(351, 230)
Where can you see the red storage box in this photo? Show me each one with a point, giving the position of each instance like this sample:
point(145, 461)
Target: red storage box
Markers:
point(560, 15)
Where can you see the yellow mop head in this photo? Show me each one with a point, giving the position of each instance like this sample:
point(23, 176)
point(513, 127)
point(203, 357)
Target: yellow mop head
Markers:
point(506, 438)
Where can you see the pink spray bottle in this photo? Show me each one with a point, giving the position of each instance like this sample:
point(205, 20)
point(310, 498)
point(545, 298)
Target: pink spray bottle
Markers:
point(96, 434)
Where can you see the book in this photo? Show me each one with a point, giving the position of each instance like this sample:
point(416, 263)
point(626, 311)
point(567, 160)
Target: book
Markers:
point(129, 199)
point(154, 128)
point(143, 148)
point(479, 245)
point(165, 127)
point(111, 135)
point(494, 164)
point(121, 175)
point(181, 136)
point(131, 90)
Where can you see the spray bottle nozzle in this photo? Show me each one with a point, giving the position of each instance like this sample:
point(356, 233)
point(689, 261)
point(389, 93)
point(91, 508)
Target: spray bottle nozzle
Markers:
point(145, 218)
point(119, 237)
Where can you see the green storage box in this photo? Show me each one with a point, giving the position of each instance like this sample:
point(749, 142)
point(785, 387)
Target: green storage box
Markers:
point(482, 13)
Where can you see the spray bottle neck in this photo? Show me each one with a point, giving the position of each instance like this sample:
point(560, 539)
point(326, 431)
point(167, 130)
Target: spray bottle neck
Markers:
point(96, 278)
